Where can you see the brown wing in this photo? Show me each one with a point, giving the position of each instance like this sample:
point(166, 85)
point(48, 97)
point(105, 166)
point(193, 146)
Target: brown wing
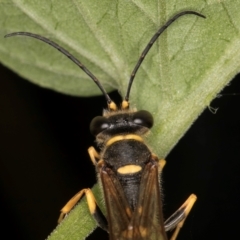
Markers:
point(147, 220)
point(118, 209)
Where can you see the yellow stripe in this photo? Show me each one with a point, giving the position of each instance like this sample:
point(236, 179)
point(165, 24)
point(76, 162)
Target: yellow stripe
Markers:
point(128, 169)
point(124, 137)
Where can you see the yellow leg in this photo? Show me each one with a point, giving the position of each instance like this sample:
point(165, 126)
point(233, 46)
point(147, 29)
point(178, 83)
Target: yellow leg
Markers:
point(162, 163)
point(187, 206)
point(94, 155)
point(73, 201)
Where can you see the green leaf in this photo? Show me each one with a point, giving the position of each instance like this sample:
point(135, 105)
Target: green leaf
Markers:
point(78, 224)
point(190, 63)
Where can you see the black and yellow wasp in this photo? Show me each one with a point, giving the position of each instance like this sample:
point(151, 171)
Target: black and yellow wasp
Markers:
point(128, 171)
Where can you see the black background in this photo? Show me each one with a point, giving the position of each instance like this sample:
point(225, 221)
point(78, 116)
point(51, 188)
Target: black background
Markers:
point(44, 161)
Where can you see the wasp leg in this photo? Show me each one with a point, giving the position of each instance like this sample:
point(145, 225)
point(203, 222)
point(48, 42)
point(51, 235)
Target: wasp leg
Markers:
point(178, 218)
point(94, 155)
point(161, 163)
point(92, 205)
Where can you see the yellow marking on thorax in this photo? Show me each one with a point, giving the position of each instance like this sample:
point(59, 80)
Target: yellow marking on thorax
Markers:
point(124, 137)
point(128, 169)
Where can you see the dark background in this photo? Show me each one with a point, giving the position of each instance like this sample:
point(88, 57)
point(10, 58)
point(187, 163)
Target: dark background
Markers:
point(44, 161)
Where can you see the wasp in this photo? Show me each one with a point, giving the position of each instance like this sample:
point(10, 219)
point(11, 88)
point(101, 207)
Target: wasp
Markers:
point(128, 171)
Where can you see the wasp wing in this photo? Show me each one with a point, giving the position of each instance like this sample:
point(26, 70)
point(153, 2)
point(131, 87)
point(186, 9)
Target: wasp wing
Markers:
point(118, 209)
point(146, 222)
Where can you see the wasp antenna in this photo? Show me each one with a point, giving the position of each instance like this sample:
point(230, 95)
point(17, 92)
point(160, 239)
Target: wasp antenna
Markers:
point(151, 42)
point(71, 57)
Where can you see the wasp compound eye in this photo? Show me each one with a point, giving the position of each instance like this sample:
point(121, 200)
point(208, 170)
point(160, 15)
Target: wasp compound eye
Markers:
point(98, 124)
point(143, 118)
